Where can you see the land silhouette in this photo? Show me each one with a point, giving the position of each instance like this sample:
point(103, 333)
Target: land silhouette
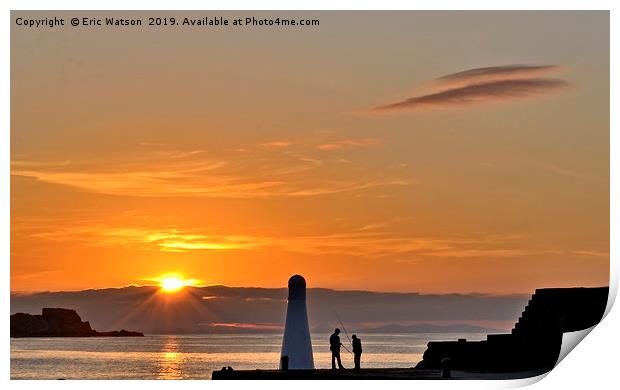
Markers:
point(221, 309)
point(59, 322)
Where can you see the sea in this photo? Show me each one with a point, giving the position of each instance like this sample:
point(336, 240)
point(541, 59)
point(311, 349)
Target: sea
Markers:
point(196, 356)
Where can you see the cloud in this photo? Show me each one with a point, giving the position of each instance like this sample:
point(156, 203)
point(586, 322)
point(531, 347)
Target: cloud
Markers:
point(152, 183)
point(592, 254)
point(341, 144)
point(33, 275)
point(556, 169)
point(481, 253)
point(494, 73)
point(494, 91)
point(369, 240)
point(480, 86)
point(201, 174)
point(163, 239)
point(276, 144)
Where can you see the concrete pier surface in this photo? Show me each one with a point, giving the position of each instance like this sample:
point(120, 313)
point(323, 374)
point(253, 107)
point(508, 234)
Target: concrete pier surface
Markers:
point(367, 373)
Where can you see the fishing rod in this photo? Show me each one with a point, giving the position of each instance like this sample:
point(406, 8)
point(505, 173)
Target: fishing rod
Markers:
point(343, 328)
point(345, 332)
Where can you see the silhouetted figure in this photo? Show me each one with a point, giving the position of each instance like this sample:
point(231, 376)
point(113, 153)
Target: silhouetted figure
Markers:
point(284, 363)
point(357, 351)
point(334, 346)
point(445, 368)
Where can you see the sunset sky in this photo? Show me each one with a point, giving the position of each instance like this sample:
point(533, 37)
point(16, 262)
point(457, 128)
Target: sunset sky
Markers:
point(363, 153)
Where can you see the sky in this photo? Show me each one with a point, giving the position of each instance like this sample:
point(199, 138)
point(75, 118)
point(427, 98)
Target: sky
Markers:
point(411, 151)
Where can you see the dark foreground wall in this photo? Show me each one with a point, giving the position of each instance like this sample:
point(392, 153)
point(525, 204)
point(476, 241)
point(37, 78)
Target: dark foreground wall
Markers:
point(536, 339)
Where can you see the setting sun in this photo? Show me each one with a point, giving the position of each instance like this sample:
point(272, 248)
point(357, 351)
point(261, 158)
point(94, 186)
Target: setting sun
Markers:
point(172, 284)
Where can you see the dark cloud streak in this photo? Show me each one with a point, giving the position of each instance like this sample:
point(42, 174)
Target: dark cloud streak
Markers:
point(478, 93)
point(506, 71)
point(482, 85)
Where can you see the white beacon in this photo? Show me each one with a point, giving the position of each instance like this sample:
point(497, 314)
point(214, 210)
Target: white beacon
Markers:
point(296, 344)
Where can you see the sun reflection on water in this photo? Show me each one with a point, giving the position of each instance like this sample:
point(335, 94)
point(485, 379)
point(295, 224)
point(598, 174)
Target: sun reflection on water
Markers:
point(171, 360)
point(194, 356)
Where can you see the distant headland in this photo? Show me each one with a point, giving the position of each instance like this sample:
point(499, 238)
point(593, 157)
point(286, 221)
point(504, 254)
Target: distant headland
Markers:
point(58, 322)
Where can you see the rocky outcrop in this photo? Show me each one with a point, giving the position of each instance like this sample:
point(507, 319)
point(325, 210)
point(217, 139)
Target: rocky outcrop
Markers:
point(536, 339)
point(119, 333)
point(57, 322)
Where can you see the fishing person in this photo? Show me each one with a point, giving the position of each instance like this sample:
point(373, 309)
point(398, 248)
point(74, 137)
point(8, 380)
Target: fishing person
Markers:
point(334, 347)
point(357, 351)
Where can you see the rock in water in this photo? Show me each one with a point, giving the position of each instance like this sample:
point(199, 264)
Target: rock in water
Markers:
point(58, 322)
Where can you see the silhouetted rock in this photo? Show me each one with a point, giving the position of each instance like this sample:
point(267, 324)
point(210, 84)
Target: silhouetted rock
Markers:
point(58, 322)
point(119, 333)
point(536, 339)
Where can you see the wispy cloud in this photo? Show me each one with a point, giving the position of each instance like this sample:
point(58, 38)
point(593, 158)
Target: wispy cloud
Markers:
point(198, 173)
point(370, 240)
point(357, 243)
point(33, 275)
point(164, 239)
point(341, 144)
point(482, 85)
point(363, 242)
point(462, 253)
point(276, 144)
point(556, 169)
point(495, 73)
point(378, 225)
point(593, 254)
point(366, 241)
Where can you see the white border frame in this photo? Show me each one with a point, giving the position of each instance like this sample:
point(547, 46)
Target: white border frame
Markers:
point(592, 364)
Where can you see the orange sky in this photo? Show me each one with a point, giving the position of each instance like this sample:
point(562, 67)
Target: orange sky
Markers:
point(241, 157)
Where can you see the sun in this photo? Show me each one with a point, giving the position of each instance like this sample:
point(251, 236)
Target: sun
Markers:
point(170, 285)
point(174, 282)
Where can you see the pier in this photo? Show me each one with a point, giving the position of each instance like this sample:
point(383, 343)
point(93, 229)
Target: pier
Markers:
point(531, 348)
point(367, 373)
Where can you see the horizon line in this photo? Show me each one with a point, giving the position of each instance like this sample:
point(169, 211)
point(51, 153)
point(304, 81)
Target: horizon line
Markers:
point(33, 292)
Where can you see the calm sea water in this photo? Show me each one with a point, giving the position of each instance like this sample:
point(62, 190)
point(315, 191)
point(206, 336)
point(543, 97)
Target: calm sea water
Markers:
point(196, 356)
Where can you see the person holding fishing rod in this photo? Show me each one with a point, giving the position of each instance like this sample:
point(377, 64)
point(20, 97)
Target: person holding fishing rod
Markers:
point(356, 343)
point(334, 346)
